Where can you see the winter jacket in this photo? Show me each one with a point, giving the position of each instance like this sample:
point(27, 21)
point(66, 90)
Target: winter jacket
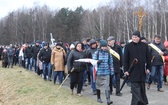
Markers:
point(117, 63)
point(166, 66)
point(45, 55)
point(35, 50)
point(28, 52)
point(139, 51)
point(57, 58)
point(106, 66)
point(156, 59)
point(38, 62)
point(10, 51)
point(75, 55)
point(4, 57)
point(89, 54)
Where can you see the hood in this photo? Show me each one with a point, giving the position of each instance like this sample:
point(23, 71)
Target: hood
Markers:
point(77, 42)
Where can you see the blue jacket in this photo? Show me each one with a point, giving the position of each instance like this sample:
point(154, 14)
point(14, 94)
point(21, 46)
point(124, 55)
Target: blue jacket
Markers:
point(106, 66)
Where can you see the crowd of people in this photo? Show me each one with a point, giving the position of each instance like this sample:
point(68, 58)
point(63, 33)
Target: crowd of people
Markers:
point(114, 61)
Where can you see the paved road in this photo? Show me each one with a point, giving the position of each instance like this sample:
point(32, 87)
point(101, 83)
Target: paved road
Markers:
point(154, 97)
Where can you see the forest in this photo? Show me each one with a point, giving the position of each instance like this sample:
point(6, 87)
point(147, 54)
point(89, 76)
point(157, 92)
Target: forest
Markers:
point(116, 18)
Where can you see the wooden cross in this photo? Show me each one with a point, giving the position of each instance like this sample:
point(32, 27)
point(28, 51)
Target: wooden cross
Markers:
point(140, 14)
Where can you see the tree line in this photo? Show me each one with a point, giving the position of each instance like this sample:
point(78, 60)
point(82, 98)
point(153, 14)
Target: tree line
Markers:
point(116, 18)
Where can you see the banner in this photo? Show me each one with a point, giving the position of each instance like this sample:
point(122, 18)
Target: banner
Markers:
point(93, 62)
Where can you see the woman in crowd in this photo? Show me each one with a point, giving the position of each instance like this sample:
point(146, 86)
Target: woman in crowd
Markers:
point(57, 62)
point(76, 76)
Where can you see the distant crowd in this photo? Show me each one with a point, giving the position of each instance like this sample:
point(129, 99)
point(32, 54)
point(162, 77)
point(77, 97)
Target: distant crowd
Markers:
point(55, 62)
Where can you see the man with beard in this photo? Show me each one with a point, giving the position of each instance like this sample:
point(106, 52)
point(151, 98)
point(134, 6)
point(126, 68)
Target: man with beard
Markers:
point(139, 51)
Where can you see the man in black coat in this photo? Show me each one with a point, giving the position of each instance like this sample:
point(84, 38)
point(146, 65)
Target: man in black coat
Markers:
point(137, 50)
point(45, 58)
point(117, 62)
point(35, 50)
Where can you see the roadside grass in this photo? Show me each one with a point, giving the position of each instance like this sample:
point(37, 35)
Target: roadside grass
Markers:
point(21, 87)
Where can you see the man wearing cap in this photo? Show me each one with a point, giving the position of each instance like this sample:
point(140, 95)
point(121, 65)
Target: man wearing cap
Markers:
point(137, 60)
point(104, 70)
point(89, 52)
point(116, 53)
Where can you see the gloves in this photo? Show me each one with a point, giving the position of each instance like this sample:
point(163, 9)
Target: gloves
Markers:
point(69, 72)
point(98, 63)
point(52, 66)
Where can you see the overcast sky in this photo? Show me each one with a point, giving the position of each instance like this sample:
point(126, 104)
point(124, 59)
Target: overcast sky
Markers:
point(7, 6)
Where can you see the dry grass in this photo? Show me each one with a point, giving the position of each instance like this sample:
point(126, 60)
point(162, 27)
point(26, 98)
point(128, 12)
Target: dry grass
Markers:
point(21, 87)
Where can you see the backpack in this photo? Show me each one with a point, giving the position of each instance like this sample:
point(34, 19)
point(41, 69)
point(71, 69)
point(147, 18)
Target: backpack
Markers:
point(108, 56)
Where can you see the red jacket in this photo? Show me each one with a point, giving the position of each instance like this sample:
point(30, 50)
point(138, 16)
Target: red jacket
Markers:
point(166, 66)
point(166, 60)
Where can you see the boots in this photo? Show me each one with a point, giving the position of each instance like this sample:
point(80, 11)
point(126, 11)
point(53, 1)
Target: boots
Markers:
point(98, 96)
point(107, 92)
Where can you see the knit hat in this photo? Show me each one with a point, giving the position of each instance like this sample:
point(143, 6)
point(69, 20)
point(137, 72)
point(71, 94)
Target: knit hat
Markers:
point(72, 46)
point(83, 39)
point(103, 43)
point(59, 44)
point(92, 41)
point(110, 38)
point(136, 33)
point(37, 41)
point(45, 44)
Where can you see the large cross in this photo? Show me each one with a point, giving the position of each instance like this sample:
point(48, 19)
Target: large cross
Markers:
point(140, 14)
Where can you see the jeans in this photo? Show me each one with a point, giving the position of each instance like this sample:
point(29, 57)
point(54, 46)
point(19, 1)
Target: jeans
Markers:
point(48, 66)
point(60, 76)
point(93, 84)
point(158, 70)
point(35, 65)
point(10, 61)
point(29, 63)
point(84, 76)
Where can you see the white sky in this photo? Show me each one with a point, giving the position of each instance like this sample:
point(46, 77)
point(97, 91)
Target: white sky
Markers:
point(7, 6)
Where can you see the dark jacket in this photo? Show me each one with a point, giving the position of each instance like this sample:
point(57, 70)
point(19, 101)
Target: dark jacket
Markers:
point(89, 54)
point(75, 55)
point(28, 52)
point(117, 63)
point(35, 51)
point(10, 51)
point(45, 55)
point(139, 51)
point(156, 59)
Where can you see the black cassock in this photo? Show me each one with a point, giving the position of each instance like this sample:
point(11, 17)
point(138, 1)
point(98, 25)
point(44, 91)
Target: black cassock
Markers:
point(138, 93)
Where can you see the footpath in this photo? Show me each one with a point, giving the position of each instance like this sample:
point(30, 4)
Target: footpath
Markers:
point(154, 97)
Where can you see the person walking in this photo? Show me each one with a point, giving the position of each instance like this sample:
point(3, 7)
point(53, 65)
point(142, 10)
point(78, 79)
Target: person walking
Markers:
point(35, 49)
point(137, 51)
point(10, 53)
point(57, 62)
point(89, 52)
point(116, 53)
point(157, 52)
point(104, 70)
point(76, 76)
point(45, 58)
point(166, 65)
